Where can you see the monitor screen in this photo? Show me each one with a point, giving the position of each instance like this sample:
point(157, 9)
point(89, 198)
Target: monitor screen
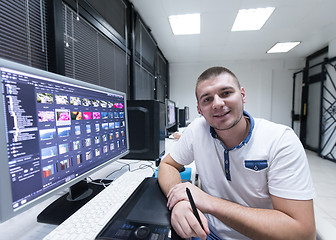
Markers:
point(170, 113)
point(186, 109)
point(55, 131)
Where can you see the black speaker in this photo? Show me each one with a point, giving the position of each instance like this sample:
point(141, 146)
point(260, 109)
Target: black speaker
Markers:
point(146, 129)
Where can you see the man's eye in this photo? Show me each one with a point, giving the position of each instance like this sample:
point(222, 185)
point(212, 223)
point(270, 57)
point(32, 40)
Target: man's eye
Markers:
point(205, 100)
point(224, 94)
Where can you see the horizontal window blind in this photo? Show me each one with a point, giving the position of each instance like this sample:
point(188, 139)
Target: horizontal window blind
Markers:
point(90, 56)
point(23, 32)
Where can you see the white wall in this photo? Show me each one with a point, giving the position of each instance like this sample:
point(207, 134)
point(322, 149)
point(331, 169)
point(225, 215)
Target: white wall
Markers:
point(332, 48)
point(268, 85)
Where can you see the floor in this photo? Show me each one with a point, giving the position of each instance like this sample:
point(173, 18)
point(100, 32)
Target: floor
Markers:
point(324, 177)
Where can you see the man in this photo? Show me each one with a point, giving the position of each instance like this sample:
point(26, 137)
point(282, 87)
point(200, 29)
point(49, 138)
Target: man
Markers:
point(255, 177)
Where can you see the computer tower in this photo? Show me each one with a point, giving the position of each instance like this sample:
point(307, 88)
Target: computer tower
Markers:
point(182, 117)
point(147, 129)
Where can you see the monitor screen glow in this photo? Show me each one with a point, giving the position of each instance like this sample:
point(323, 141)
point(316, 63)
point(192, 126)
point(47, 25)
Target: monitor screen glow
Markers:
point(55, 131)
point(170, 114)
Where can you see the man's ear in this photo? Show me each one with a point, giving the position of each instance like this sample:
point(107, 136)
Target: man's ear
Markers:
point(242, 91)
point(199, 110)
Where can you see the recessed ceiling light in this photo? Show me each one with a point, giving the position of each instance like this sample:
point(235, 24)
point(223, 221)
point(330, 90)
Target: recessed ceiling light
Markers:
point(185, 24)
point(283, 47)
point(251, 19)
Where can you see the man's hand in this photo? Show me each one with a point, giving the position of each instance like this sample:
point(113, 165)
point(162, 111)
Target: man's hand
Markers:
point(185, 223)
point(178, 193)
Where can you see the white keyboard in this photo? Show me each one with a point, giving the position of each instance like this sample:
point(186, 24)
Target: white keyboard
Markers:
point(88, 221)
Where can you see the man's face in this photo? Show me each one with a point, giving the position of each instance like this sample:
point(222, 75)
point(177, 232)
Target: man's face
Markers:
point(220, 101)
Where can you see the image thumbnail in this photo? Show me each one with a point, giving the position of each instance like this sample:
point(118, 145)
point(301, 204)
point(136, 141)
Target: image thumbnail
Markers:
point(88, 155)
point(96, 115)
point(88, 128)
point(63, 148)
point(87, 142)
point(86, 102)
point(76, 101)
point(65, 164)
point(44, 98)
point(61, 99)
point(76, 144)
point(46, 116)
point(62, 117)
point(97, 152)
point(78, 130)
point(96, 139)
point(103, 103)
point(76, 115)
point(105, 149)
point(105, 126)
point(104, 115)
point(48, 152)
point(87, 115)
point(47, 134)
point(95, 103)
point(79, 158)
point(49, 170)
point(119, 105)
point(63, 132)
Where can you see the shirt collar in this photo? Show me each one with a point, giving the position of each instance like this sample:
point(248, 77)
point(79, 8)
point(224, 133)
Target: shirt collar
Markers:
point(248, 137)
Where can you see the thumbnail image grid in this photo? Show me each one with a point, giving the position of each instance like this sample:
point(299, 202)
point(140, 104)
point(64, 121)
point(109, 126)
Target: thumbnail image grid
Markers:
point(111, 117)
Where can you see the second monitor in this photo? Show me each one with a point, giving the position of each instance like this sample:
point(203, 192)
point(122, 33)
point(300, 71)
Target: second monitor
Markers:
point(183, 116)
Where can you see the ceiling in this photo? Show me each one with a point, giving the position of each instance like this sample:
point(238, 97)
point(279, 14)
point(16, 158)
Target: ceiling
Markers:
point(313, 22)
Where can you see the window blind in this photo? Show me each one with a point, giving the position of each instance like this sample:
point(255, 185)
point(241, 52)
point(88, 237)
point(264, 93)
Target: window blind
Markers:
point(23, 32)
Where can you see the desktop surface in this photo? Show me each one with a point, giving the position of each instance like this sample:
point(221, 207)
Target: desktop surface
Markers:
point(139, 209)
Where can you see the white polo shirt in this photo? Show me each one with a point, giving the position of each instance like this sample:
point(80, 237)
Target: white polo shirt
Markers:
point(270, 160)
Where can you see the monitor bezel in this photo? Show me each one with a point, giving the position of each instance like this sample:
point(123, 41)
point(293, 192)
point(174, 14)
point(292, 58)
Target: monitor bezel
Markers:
point(6, 208)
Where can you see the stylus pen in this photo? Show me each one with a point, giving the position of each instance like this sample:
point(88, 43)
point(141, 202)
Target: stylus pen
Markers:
point(193, 206)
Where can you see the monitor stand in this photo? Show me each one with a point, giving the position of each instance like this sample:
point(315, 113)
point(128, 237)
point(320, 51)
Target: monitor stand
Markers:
point(62, 208)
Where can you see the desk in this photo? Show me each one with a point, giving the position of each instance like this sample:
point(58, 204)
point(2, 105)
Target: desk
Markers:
point(25, 227)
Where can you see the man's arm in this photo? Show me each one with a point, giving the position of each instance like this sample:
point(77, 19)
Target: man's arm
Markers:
point(183, 220)
point(290, 219)
point(168, 174)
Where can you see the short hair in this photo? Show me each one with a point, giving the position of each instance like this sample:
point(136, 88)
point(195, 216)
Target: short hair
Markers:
point(214, 72)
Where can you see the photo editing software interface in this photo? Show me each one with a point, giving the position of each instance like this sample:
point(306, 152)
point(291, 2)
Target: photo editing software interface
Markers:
point(56, 131)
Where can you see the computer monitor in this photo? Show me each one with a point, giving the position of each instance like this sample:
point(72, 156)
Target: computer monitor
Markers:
point(186, 109)
point(55, 131)
point(170, 113)
point(183, 116)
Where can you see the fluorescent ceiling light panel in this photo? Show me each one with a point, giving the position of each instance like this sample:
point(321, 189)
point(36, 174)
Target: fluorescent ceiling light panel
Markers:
point(251, 19)
point(185, 24)
point(283, 47)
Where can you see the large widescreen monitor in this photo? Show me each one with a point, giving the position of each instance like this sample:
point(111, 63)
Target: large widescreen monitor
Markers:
point(54, 132)
point(170, 113)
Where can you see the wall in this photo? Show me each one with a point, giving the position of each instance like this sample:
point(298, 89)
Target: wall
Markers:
point(268, 85)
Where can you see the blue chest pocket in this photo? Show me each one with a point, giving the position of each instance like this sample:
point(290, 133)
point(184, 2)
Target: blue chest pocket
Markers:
point(256, 165)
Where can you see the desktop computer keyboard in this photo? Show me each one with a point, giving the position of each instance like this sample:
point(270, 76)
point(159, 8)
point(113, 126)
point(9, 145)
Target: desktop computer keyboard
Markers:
point(89, 220)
